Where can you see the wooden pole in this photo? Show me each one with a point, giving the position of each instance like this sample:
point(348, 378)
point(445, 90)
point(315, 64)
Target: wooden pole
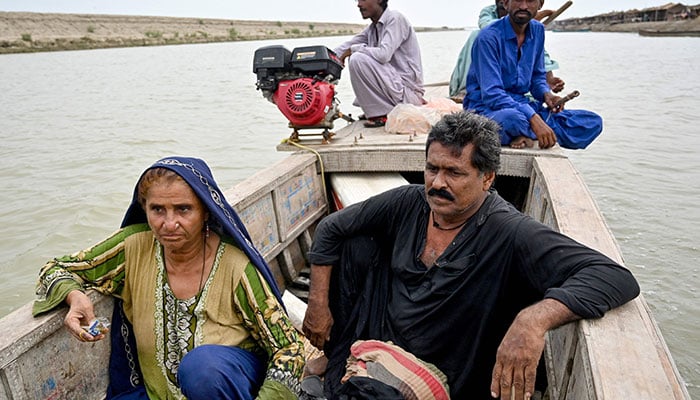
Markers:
point(558, 12)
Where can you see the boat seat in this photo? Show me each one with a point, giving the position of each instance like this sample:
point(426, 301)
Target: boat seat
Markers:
point(353, 187)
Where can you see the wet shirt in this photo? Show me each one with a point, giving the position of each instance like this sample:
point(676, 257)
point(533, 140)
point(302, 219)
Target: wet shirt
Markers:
point(455, 313)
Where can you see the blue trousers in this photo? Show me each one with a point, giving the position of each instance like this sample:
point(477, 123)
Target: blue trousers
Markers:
point(214, 372)
point(206, 372)
point(574, 129)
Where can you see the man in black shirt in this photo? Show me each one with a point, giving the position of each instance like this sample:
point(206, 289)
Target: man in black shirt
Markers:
point(453, 273)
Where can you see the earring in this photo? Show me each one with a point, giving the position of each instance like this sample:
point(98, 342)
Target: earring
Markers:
point(206, 229)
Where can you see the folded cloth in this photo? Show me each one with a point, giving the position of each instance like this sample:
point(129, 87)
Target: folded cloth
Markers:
point(390, 364)
point(363, 388)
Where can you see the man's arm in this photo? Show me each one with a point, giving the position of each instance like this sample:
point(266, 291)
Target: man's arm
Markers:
point(343, 50)
point(522, 346)
point(577, 282)
point(318, 319)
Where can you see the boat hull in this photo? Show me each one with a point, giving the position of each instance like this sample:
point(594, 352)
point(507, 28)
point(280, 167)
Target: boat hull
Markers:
point(621, 355)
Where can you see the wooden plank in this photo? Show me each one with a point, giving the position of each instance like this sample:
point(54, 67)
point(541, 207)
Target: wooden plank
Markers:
point(279, 203)
point(297, 201)
point(351, 188)
point(627, 339)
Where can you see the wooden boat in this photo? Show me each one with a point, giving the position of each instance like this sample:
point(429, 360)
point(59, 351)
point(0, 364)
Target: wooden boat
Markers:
point(658, 33)
point(621, 356)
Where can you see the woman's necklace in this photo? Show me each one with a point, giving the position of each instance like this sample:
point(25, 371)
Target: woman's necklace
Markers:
point(436, 225)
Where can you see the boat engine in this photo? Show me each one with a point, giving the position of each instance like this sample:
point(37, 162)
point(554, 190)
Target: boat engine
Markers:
point(302, 85)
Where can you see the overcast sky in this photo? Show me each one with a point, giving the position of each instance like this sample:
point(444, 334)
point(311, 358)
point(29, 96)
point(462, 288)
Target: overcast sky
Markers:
point(428, 13)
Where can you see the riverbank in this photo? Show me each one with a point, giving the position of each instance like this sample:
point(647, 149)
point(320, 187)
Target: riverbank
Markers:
point(670, 27)
point(23, 32)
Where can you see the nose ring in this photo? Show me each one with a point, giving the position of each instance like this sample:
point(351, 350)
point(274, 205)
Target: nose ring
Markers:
point(177, 225)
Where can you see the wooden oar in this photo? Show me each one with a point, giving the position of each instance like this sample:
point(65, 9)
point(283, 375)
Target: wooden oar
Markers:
point(557, 12)
point(566, 98)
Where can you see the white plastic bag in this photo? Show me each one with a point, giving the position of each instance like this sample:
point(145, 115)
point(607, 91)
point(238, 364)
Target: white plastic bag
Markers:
point(411, 119)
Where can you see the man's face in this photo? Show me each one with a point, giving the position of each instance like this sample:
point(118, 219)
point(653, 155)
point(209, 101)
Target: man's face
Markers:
point(370, 9)
point(522, 11)
point(501, 8)
point(454, 188)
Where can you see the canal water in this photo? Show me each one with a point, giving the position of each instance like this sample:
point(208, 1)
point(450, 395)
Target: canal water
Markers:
point(77, 128)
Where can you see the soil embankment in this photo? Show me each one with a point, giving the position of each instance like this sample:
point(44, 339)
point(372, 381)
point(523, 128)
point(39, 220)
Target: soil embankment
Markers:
point(22, 32)
point(31, 32)
point(690, 25)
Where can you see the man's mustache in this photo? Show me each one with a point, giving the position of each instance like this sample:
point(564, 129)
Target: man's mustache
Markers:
point(441, 193)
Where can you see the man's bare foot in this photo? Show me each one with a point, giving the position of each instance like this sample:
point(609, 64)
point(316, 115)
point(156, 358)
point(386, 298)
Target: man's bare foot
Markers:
point(522, 142)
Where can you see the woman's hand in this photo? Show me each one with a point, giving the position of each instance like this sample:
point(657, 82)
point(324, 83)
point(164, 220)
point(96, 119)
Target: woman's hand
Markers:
point(80, 314)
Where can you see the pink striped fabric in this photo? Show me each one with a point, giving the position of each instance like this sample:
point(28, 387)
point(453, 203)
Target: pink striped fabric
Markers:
point(390, 364)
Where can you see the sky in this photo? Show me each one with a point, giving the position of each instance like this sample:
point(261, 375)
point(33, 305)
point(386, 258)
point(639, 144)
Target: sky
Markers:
point(422, 13)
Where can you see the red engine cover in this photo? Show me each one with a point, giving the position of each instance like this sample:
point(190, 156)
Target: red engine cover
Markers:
point(304, 101)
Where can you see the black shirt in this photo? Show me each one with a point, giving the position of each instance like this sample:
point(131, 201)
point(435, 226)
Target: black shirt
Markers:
point(455, 313)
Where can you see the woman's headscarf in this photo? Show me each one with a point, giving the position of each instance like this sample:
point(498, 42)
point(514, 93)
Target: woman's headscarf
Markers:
point(222, 218)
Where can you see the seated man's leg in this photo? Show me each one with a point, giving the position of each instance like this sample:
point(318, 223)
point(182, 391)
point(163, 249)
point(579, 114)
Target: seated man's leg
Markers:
point(515, 128)
point(575, 129)
point(377, 87)
point(220, 372)
point(356, 301)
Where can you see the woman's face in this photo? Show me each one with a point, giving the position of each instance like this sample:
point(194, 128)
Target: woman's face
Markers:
point(175, 214)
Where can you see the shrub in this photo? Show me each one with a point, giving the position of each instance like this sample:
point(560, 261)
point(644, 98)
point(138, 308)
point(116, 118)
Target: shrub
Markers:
point(154, 34)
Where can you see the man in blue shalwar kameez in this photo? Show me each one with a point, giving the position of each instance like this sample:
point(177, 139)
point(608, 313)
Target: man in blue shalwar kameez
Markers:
point(507, 63)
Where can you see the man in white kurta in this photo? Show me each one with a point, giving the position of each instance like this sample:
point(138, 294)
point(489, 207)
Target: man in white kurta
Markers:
point(385, 62)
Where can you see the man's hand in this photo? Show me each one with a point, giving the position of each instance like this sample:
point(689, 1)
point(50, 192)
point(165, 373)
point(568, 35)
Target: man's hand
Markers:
point(318, 319)
point(545, 135)
point(317, 324)
point(521, 348)
point(552, 102)
point(556, 84)
point(80, 314)
point(516, 361)
point(345, 55)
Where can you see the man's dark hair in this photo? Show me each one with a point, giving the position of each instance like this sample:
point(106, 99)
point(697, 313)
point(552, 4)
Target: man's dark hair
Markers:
point(457, 130)
point(384, 4)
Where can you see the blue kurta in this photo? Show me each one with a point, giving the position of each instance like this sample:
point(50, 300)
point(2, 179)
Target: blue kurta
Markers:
point(500, 76)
